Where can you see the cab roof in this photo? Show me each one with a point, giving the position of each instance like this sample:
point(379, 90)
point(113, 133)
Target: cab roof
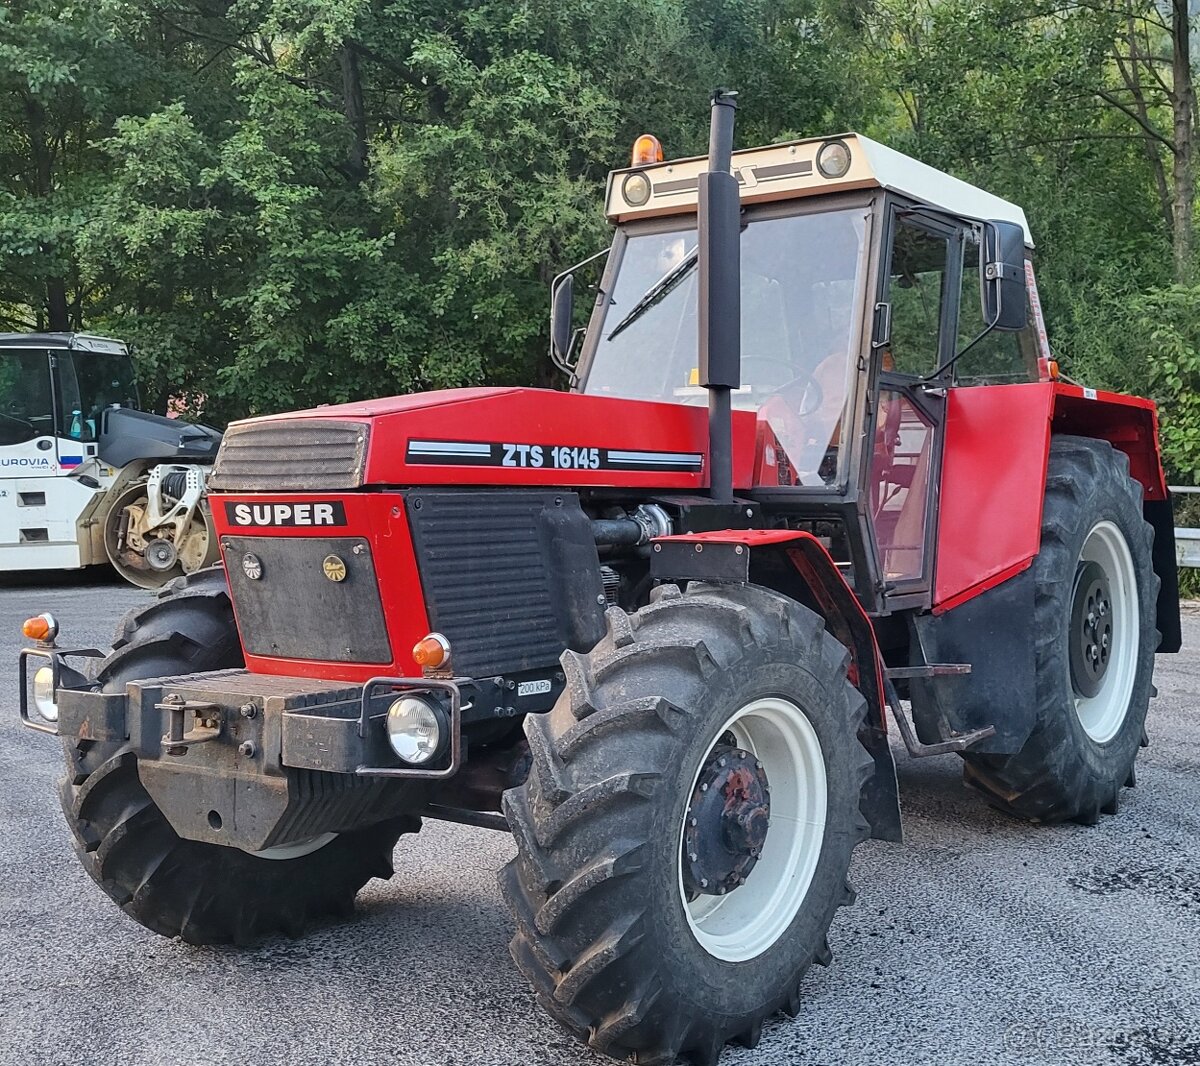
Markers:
point(86, 342)
point(787, 170)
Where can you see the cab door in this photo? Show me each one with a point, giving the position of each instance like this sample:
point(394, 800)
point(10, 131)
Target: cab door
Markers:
point(27, 435)
point(914, 338)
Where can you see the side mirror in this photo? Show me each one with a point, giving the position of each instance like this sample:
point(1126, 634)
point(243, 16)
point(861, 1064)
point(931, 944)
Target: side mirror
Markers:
point(562, 304)
point(1002, 276)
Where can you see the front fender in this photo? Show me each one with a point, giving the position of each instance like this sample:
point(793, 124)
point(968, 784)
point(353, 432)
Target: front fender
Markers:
point(796, 564)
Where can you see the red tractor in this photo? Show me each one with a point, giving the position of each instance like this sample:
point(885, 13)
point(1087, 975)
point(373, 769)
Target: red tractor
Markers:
point(817, 476)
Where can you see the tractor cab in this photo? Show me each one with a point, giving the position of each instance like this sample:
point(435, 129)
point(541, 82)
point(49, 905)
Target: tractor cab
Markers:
point(865, 295)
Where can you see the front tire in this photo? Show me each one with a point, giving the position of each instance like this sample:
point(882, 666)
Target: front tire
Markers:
point(642, 930)
point(1094, 627)
point(204, 893)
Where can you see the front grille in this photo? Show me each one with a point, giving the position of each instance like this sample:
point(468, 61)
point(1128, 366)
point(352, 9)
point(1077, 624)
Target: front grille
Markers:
point(288, 608)
point(298, 454)
point(511, 578)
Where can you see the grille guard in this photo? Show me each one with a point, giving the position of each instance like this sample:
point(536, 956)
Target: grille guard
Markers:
point(55, 657)
point(414, 684)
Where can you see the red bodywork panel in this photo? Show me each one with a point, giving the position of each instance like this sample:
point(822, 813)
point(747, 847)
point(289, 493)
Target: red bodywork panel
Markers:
point(542, 418)
point(989, 509)
point(997, 442)
point(379, 517)
point(844, 614)
point(523, 418)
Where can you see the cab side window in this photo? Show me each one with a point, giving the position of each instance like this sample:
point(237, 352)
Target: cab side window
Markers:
point(26, 407)
point(999, 357)
point(71, 421)
point(918, 295)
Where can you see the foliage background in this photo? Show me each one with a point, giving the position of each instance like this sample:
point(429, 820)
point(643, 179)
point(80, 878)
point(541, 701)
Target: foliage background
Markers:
point(290, 202)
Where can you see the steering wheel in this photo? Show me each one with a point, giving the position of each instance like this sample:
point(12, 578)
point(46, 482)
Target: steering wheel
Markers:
point(813, 393)
point(15, 430)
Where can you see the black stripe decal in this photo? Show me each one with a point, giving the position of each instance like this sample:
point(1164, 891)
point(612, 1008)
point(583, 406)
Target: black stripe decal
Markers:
point(784, 170)
point(546, 456)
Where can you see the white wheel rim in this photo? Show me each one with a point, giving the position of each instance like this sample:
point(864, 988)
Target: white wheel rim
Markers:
point(297, 850)
point(747, 921)
point(1101, 715)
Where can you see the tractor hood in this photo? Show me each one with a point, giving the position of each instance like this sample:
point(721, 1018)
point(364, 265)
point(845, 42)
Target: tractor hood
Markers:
point(496, 436)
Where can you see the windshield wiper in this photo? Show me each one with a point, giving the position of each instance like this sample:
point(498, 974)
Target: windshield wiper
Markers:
point(659, 290)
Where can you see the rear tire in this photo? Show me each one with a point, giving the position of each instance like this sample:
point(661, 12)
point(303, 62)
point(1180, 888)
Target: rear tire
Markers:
point(205, 893)
point(1093, 679)
point(617, 949)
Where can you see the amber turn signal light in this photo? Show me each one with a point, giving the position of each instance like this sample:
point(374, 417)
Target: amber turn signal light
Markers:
point(40, 627)
point(431, 652)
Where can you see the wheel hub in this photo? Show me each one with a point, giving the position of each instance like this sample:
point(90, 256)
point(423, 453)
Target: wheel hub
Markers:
point(726, 823)
point(1091, 637)
point(161, 554)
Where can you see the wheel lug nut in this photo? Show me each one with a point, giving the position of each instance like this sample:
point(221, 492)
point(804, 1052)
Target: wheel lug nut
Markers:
point(691, 856)
point(703, 786)
point(704, 882)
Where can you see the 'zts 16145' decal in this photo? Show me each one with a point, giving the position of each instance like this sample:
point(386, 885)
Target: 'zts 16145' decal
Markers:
point(546, 456)
point(312, 513)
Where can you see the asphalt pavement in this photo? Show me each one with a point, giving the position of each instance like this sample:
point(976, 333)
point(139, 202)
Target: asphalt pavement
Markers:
point(978, 940)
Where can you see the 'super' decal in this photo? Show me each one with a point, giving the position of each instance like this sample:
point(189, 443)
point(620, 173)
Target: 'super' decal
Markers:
point(546, 456)
point(311, 513)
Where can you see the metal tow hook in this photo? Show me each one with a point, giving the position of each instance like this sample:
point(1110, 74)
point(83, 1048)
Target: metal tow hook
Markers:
point(206, 719)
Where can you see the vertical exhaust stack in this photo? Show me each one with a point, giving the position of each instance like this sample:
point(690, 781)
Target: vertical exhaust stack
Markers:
point(720, 296)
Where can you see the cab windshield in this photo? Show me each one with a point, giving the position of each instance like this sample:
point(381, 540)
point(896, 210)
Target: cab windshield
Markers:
point(89, 382)
point(63, 393)
point(802, 280)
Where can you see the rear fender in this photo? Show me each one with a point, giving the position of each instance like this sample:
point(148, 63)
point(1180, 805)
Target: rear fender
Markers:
point(796, 564)
point(997, 444)
point(1130, 425)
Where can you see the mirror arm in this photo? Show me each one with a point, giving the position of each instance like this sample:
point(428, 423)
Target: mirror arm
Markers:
point(563, 360)
point(933, 375)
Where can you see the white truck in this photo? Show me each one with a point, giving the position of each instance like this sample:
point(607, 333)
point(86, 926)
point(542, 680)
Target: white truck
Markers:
point(86, 477)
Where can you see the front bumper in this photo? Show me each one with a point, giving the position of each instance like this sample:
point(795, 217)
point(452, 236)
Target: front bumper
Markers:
point(255, 760)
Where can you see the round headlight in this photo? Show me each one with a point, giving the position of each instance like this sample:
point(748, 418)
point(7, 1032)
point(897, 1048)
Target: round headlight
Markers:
point(833, 159)
point(43, 694)
point(636, 189)
point(415, 729)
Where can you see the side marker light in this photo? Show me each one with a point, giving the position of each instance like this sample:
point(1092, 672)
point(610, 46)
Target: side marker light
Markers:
point(431, 652)
point(41, 627)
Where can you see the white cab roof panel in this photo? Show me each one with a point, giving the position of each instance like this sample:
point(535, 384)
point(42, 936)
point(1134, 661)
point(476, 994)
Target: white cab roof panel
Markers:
point(784, 171)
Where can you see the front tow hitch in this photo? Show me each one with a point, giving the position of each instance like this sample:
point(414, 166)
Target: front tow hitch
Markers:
point(206, 720)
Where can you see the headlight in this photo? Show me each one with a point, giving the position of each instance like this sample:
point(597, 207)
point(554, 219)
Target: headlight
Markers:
point(636, 189)
point(833, 159)
point(416, 729)
point(43, 694)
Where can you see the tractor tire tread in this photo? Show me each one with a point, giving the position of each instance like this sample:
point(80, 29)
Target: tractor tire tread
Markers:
point(1047, 780)
point(583, 938)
